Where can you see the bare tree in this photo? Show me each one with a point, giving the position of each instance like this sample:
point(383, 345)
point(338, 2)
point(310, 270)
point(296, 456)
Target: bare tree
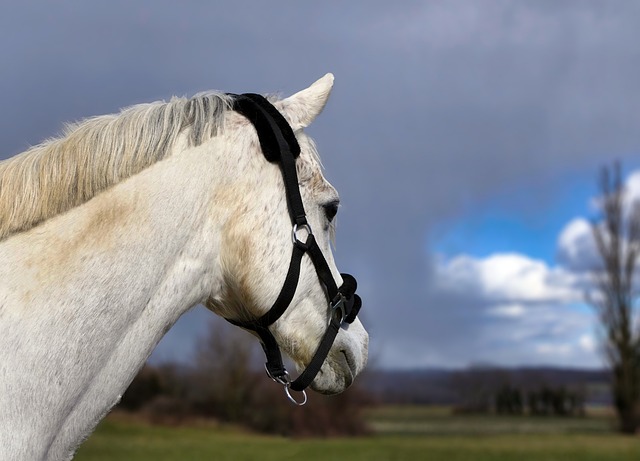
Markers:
point(226, 370)
point(617, 237)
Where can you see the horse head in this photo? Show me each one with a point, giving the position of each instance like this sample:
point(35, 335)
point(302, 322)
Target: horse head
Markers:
point(263, 199)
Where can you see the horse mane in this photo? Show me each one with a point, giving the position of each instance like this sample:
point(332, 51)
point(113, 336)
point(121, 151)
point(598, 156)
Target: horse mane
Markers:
point(97, 153)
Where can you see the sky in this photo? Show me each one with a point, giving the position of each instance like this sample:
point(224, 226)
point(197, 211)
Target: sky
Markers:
point(464, 138)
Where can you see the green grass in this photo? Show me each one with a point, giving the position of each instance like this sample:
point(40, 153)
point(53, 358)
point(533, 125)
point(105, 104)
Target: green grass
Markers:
point(117, 439)
point(440, 421)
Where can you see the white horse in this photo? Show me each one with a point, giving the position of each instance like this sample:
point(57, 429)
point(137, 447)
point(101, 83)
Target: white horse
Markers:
point(111, 232)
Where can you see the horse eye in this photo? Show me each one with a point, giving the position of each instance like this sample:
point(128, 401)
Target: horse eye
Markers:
point(331, 210)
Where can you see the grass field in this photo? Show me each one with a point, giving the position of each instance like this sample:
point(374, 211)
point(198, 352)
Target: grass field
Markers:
point(426, 420)
point(404, 433)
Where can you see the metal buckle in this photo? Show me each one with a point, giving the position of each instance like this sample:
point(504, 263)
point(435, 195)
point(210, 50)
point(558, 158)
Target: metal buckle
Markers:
point(339, 302)
point(285, 380)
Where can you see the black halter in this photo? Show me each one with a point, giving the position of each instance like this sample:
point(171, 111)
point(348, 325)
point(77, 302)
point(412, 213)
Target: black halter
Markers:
point(279, 145)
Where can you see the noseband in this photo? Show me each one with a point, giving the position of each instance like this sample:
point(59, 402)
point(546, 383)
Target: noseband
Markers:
point(280, 146)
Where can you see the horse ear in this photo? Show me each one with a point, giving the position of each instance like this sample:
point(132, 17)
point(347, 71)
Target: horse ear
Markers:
point(303, 107)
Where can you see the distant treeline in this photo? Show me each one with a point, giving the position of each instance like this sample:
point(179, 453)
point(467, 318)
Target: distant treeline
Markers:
point(545, 401)
point(535, 391)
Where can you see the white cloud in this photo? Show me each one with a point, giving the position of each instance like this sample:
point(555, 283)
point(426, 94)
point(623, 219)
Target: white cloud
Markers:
point(523, 310)
point(632, 185)
point(568, 349)
point(587, 342)
point(508, 278)
point(575, 231)
point(576, 248)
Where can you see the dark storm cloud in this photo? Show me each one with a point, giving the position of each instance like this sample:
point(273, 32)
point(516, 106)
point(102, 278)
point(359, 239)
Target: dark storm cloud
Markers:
point(438, 106)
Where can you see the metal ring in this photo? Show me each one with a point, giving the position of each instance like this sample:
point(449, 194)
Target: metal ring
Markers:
point(294, 233)
point(294, 401)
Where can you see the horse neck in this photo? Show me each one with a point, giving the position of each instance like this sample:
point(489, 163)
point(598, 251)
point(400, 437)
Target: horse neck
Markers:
point(90, 294)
